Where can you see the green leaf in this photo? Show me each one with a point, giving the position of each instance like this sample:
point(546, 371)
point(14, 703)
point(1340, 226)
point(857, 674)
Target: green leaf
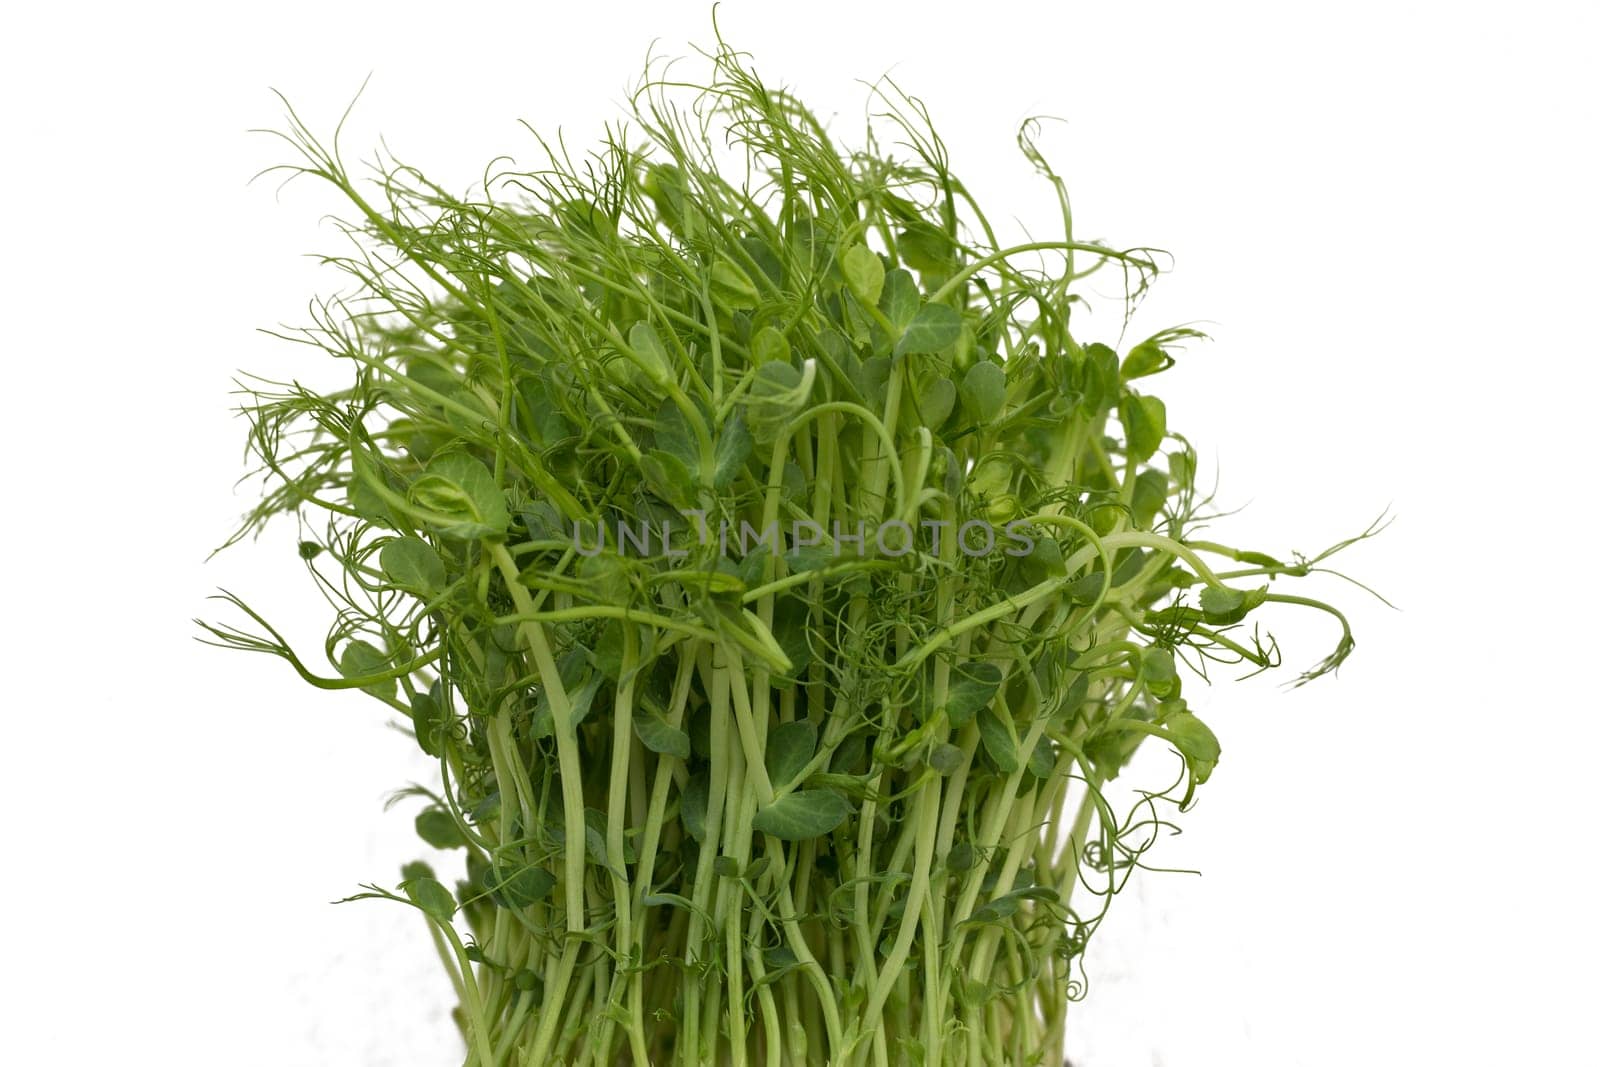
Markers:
point(1159, 666)
point(983, 391)
point(594, 839)
point(368, 488)
point(665, 184)
point(802, 816)
point(769, 346)
point(946, 758)
point(871, 377)
point(863, 273)
point(1109, 750)
point(926, 248)
point(962, 856)
point(936, 399)
point(361, 659)
point(935, 326)
point(795, 489)
point(1075, 695)
point(765, 258)
point(433, 898)
point(791, 628)
point(991, 477)
point(1144, 358)
point(697, 721)
point(648, 351)
point(457, 497)
point(606, 654)
point(466, 413)
point(1097, 378)
point(579, 681)
point(1042, 760)
point(780, 957)
point(667, 477)
point(658, 735)
point(692, 808)
point(485, 811)
point(1129, 566)
point(588, 218)
point(998, 741)
point(750, 568)
point(1181, 466)
point(671, 434)
point(411, 564)
point(732, 287)
point(669, 900)
point(850, 756)
point(583, 698)
point(972, 686)
point(790, 747)
point(1223, 606)
point(428, 719)
point(1045, 561)
point(544, 421)
point(1149, 495)
point(995, 910)
point(900, 298)
point(605, 573)
point(777, 394)
point(1196, 742)
point(518, 887)
point(1002, 908)
point(1084, 590)
point(809, 558)
point(438, 828)
point(1144, 418)
point(544, 523)
point(732, 451)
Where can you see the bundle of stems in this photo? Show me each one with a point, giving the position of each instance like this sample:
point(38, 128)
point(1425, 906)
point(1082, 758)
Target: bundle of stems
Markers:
point(776, 580)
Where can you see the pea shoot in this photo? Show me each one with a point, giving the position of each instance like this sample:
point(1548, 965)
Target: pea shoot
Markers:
point(775, 577)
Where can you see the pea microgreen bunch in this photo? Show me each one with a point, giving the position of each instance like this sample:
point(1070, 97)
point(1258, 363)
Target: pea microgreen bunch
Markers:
point(776, 579)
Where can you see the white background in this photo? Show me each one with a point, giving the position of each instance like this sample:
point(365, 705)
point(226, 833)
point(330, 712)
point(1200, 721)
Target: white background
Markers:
point(1384, 212)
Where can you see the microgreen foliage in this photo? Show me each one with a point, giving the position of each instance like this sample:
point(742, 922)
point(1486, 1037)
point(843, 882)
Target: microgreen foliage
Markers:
point(834, 799)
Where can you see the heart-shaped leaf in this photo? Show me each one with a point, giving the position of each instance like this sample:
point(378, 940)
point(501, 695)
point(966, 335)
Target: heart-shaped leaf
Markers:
point(457, 496)
point(936, 326)
point(411, 564)
point(1144, 418)
point(433, 898)
point(438, 828)
point(802, 816)
point(658, 735)
point(863, 273)
point(790, 747)
point(998, 741)
point(518, 887)
point(972, 686)
point(983, 391)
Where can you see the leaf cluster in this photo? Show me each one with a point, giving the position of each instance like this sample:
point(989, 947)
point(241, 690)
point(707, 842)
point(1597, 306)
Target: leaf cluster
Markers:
point(722, 789)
